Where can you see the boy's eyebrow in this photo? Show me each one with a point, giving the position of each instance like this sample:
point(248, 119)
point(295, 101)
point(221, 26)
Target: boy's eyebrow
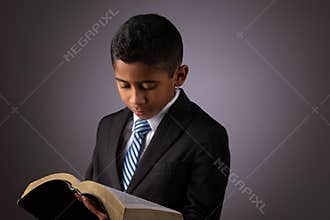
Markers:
point(144, 81)
point(120, 79)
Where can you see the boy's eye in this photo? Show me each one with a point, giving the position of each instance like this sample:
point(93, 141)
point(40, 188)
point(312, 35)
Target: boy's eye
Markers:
point(123, 85)
point(148, 85)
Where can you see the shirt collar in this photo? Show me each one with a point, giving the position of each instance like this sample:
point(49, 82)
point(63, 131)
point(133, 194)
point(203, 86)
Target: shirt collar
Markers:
point(156, 119)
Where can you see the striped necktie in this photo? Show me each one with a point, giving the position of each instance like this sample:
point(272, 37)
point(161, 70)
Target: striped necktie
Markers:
point(132, 156)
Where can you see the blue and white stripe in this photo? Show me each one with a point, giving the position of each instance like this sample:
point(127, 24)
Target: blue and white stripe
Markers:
point(132, 156)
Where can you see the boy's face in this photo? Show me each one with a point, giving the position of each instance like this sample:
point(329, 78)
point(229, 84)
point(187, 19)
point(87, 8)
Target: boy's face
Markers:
point(143, 89)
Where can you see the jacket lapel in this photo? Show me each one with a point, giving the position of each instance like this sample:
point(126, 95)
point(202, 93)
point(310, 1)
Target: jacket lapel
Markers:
point(117, 129)
point(172, 126)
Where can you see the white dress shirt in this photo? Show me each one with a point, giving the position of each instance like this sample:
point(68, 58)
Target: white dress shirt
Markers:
point(153, 122)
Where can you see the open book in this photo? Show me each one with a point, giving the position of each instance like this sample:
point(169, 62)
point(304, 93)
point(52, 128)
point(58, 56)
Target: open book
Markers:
point(53, 197)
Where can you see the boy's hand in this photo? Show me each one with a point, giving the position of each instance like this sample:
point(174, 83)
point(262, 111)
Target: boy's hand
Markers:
point(92, 207)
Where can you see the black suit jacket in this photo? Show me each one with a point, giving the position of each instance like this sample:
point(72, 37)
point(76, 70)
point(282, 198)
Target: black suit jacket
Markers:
point(178, 168)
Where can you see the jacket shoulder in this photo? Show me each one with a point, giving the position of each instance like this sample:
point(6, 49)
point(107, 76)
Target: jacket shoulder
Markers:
point(112, 116)
point(210, 134)
point(205, 121)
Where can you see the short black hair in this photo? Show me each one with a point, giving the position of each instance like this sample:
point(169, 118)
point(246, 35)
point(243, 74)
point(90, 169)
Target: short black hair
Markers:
point(151, 39)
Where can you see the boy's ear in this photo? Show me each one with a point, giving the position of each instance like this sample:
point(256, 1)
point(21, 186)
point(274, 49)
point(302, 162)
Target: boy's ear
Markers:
point(181, 75)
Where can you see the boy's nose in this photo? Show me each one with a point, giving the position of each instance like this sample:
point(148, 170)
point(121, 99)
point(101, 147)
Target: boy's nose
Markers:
point(137, 98)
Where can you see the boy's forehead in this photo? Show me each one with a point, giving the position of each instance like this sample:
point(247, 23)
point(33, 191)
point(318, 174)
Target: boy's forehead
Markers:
point(136, 71)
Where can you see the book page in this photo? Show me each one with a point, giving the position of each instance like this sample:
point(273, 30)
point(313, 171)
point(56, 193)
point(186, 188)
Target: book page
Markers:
point(134, 202)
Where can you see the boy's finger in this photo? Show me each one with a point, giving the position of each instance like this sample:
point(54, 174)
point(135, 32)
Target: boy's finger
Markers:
point(78, 196)
point(93, 209)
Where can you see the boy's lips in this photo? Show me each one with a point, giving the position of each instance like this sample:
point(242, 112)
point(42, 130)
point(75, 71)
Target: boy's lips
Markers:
point(140, 113)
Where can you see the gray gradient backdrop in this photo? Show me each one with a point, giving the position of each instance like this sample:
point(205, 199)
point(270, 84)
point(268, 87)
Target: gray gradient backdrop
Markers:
point(259, 67)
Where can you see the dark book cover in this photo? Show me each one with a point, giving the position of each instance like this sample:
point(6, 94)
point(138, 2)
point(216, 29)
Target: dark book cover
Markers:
point(56, 200)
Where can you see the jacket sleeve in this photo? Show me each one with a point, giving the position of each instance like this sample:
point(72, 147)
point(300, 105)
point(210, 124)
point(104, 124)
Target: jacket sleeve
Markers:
point(209, 178)
point(89, 171)
point(89, 174)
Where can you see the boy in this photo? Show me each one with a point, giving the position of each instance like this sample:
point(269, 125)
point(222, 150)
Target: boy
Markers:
point(162, 147)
